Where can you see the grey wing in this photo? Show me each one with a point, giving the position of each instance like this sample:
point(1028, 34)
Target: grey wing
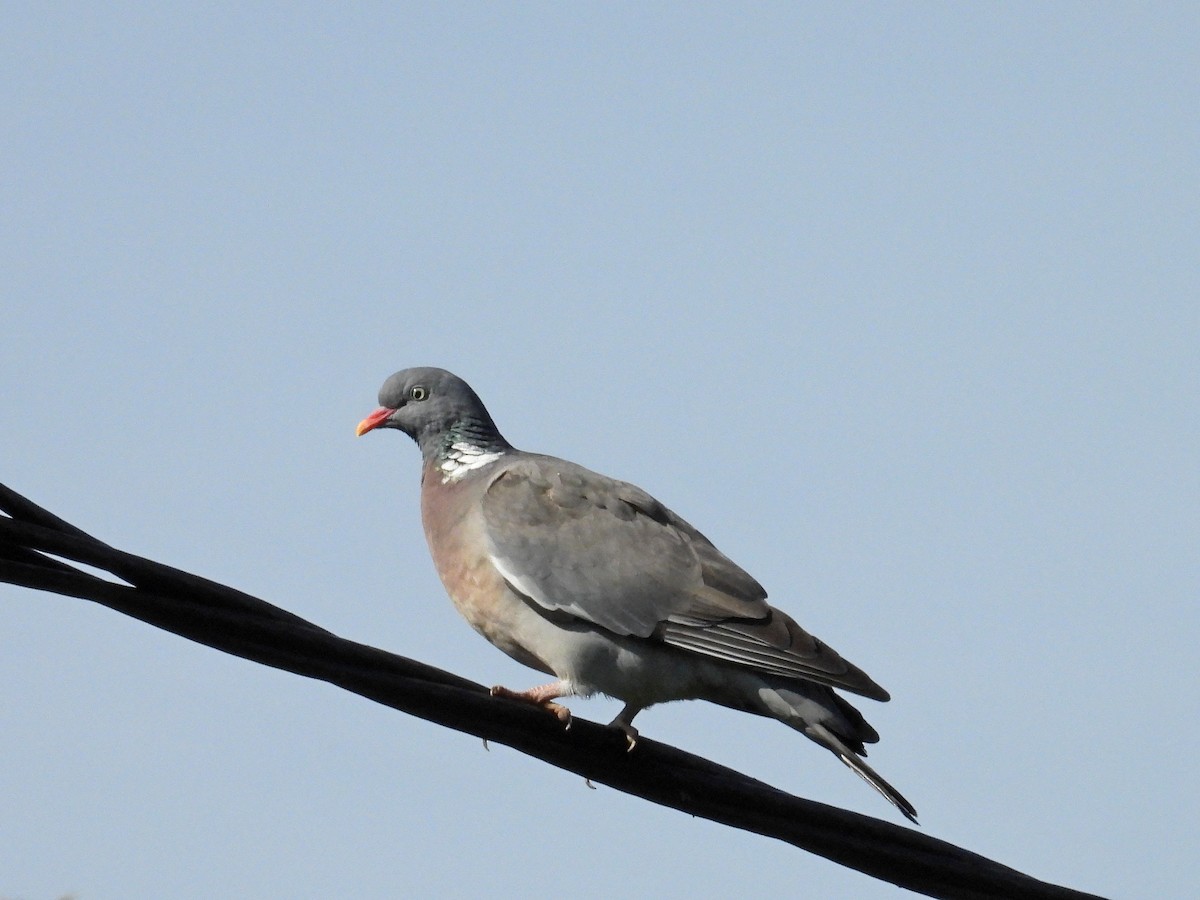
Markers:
point(577, 542)
point(580, 544)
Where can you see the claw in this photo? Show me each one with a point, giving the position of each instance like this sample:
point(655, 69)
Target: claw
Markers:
point(624, 721)
point(560, 712)
point(543, 697)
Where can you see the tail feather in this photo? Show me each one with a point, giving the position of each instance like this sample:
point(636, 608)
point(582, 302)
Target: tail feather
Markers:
point(855, 763)
point(860, 728)
point(818, 713)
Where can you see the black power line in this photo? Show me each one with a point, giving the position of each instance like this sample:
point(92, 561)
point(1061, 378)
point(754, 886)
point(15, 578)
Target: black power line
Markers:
point(235, 622)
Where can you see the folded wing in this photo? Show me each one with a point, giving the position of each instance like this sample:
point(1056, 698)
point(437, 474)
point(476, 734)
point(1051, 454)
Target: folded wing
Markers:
point(579, 544)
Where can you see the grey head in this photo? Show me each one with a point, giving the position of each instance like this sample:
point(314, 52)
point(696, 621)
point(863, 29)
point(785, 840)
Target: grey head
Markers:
point(438, 410)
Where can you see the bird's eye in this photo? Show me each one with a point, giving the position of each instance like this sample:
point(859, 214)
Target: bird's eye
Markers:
point(418, 393)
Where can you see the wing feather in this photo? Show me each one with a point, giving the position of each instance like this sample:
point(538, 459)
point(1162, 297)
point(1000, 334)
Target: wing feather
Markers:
point(574, 542)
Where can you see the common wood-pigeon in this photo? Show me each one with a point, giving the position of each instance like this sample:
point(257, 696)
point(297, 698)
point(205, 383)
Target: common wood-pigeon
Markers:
point(593, 581)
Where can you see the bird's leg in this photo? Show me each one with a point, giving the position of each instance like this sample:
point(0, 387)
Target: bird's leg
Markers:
point(543, 696)
point(623, 721)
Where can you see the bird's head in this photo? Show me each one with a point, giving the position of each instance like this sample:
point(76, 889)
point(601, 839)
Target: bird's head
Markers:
point(433, 407)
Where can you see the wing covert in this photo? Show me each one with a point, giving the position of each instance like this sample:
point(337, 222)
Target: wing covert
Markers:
point(577, 542)
point(580, 544)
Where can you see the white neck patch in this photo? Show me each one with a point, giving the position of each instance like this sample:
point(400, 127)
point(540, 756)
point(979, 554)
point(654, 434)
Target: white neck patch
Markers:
point(463, 458)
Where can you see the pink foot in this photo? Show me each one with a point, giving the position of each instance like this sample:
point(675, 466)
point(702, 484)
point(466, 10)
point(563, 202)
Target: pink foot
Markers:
point(624, 722)
point(543, 697)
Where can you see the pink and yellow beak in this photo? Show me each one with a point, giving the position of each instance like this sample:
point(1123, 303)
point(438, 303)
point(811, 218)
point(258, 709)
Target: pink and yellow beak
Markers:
point(373, 421)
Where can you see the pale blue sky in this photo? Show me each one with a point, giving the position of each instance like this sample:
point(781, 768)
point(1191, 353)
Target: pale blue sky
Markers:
point(899, 304)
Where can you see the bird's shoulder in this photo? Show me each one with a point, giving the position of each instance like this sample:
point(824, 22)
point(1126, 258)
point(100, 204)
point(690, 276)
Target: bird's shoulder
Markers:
point(537, 489)
point(557, 516)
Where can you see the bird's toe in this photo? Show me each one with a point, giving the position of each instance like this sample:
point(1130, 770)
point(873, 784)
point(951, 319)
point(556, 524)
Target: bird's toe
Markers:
point(623, 721)
point(541, 697)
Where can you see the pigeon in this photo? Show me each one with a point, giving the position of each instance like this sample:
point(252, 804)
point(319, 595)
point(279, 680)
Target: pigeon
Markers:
point(595, 583)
